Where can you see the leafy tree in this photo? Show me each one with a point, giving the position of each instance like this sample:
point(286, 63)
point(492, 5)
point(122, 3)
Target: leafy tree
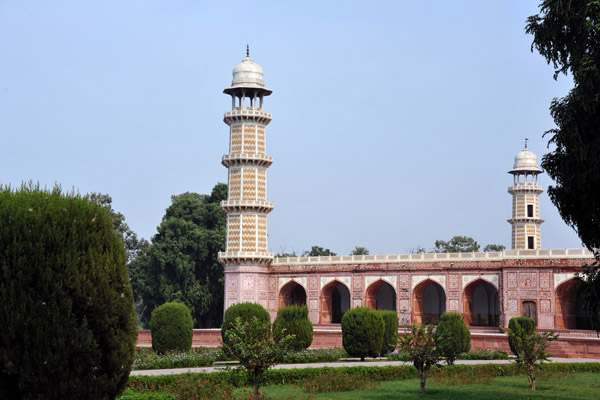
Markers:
point(252, 344)
point(316, 251)
point(245, 311)
point(182, 263)
point(134, 246)
point(359, 251)
point(417, 250)
point(494, 247)
point(362, 332)
point(453, 336)
point(567, 34)
point(67, 324)
point(530, 348)
point(420, 345)
point(458, 244)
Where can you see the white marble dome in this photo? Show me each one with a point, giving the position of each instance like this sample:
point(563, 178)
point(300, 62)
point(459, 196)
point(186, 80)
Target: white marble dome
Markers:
point(247, 74)
point(526, 161)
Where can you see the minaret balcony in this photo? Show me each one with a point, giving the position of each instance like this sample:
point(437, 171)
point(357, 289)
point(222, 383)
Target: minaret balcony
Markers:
point(242, 114)
point(237, 258)
point(236, 159)
point(525, 221)
point(259, 206)
point(526, 187)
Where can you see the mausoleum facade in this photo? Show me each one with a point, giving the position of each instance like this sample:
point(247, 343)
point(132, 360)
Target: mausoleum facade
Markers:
point(486, 288)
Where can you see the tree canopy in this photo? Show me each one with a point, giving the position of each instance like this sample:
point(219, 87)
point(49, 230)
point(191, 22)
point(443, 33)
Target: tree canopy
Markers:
point(567, 34)
point(458, 244)
point(359, 251)
point(182, 262)
point(316, 251)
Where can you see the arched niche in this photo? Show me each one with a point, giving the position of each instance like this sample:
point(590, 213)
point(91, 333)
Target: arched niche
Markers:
point(292, 293)
point(429, 302)
point(570, 313)
point(481, 304)
point(335, 301)
point(381, 296)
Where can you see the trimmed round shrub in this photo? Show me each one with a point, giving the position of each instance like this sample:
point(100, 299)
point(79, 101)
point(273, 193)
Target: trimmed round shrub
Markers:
point(245, 311)
point(294, 319)
point(172, 328)
point(390, 334)
point(526, 323)
point(453, 336)
point(67, 323)
point(362, 332)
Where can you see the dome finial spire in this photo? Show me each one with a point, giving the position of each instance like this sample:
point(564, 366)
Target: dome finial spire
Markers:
point(247, 51)
point(526, 143)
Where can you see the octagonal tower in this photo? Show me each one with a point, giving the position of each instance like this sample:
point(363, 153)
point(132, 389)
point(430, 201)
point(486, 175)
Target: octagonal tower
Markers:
point(526, 192)
point(246, 258)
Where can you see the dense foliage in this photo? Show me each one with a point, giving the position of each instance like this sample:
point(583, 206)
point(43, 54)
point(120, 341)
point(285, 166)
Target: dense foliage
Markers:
point(293, 320)
point(453, 336)
point(526, 323)
point(67, 324)
point(390, 333)
point(245, 311)
point(362, 332)
point(172, 328)
point(182, 262)
point(567, 34)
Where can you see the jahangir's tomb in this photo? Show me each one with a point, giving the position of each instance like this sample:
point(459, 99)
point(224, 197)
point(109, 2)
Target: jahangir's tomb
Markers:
point(488, 289)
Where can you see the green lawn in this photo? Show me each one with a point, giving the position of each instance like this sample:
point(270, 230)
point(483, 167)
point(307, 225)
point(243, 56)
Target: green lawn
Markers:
point(585, 386)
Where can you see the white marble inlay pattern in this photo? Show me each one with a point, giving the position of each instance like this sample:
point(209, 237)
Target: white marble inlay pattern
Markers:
point(343, 279)
point(562, 277)
point(391, 279)
point(491, 278)
point(302, 280)
point(416, 279)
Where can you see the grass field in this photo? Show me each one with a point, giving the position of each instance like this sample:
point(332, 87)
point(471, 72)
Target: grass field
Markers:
point(585, 386)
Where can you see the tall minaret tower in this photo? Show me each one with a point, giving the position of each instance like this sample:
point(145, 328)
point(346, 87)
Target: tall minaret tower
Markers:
point(246, 259)
point(525, 219)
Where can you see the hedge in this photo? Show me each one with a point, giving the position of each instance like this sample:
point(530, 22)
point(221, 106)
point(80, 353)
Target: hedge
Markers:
point(386, 373)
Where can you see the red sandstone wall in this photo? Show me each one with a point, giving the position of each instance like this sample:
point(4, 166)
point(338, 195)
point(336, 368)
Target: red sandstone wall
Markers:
point(568, 347)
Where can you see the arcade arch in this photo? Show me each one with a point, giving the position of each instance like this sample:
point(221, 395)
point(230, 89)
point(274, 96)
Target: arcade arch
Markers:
point(429, 302)
point(335, 301)
point(381, 296)
point(570, 313)
point(481, 304)
point(292, 293)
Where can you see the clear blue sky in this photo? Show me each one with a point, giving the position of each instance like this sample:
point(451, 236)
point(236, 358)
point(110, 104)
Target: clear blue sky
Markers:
point(394, 123)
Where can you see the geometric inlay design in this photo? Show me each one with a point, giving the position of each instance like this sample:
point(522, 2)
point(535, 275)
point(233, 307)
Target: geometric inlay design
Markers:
point(416, 279)
point(343, 279)
point(562, 277)
point(491, 278)
point(391, 279)
point(301, 280)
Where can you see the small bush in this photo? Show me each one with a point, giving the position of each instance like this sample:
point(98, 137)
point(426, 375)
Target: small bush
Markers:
point(526, 323)
point(336, 381)
point(293, 320)
point(245, 311)
point(172, 328)
point(362, 332)
point(484, 354)
point(390, 334)
point(453, 336)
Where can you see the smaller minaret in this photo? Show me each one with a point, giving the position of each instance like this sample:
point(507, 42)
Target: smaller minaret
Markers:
point(526, 192)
